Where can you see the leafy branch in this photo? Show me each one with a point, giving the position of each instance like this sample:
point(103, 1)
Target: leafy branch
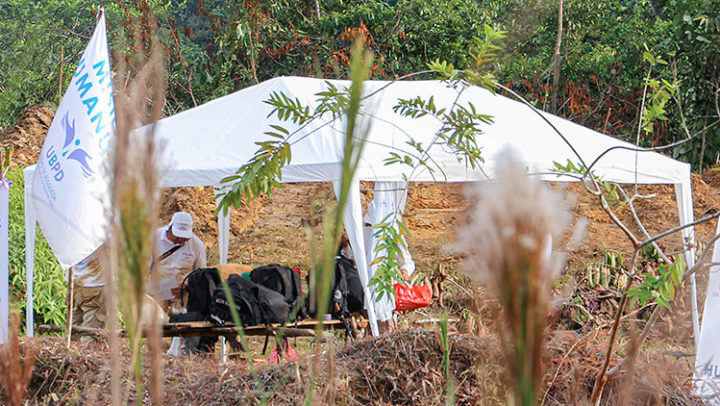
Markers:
point(390, 242)
point(259, 175)
point(659, 286)
point(610, 189)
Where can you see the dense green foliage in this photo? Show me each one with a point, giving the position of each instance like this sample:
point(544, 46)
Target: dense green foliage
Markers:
point(214, 47)
point(49, 279)
point(603, 71)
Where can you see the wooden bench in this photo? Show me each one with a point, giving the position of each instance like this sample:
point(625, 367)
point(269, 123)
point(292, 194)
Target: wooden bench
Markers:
point(304, 328)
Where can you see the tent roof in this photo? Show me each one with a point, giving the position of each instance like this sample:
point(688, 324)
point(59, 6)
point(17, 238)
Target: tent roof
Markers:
point(204, 144)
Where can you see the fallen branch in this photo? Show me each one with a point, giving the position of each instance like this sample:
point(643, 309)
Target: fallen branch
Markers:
point(76, 330)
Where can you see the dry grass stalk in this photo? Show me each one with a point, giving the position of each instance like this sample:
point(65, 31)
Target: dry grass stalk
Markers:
point(15, 372)
point(509, 237)
point(134, 198)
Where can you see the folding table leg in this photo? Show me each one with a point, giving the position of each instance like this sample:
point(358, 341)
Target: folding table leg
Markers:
point(223, 350)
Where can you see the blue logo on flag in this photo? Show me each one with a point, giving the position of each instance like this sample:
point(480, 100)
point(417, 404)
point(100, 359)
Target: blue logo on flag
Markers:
point(70, 150)
point(77, 154)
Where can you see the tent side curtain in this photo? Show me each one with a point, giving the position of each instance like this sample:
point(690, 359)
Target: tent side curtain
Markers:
point(389, 199)
point(352, 219)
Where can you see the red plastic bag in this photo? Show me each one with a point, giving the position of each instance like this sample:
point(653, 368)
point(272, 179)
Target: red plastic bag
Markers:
point(289, 352)
point(408, 297)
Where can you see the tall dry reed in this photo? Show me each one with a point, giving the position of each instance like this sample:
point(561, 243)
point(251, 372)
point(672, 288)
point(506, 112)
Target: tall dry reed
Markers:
point(514, 223)
point(356, 130)
point(15, 369)
point(139, 101)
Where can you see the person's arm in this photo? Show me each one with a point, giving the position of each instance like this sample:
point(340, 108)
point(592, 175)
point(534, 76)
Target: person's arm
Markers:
point(405, 261)
point(201, 257)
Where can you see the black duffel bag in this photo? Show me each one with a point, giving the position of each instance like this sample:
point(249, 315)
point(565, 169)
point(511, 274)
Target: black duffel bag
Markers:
point(255, 304)
point(244, 298)
point(282, 279)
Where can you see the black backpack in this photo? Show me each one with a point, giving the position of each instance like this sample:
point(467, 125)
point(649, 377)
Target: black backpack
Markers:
point(284, 280)
point(273, 307)
point(255, 304)
point(245, 299)
point(355, 295)
point(200, 285)
point(347, 295)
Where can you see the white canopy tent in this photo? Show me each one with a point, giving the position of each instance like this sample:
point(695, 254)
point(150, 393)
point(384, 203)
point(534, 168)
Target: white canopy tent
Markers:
point(203, 145)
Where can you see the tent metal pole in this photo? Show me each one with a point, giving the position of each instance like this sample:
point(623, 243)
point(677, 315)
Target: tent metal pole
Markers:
point(683, 196)
point(223, 222)
point(30, 227)
point(694, 305)
point(223, 247)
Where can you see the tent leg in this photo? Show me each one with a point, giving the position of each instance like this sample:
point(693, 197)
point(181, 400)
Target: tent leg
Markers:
point(223, 232)
point(223, 350)
point(683, 196)
point(29, 257)
point(694, 306)
point(4, 264)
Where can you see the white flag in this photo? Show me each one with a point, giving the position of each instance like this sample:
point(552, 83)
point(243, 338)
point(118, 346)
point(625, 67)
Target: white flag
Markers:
point(71, 185)
point(707, 358)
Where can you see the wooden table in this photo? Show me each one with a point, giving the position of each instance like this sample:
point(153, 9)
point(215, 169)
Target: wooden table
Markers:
point(304, 328)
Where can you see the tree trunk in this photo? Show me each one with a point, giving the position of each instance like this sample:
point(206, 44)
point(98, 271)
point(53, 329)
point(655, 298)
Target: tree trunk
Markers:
point(556, 65)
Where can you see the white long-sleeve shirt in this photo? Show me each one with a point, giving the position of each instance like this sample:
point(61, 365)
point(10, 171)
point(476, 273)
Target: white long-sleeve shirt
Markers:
point(174, 268)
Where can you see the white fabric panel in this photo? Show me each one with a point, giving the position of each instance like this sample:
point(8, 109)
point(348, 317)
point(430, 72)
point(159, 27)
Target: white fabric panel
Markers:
point(707, 360)
point(223, 233)
point(388, 199)
point(207, 143)
point(30, 225)
point(352, 219)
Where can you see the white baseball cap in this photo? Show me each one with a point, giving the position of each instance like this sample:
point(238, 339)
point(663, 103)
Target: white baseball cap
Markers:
point(182, 224)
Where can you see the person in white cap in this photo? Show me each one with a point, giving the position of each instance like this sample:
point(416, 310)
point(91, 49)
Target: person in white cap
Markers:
point(177, 252)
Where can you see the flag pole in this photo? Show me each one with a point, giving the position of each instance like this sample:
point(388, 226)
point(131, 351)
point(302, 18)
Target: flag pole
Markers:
point(70, 305)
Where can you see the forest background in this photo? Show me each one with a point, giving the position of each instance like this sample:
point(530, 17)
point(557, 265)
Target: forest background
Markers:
point(215, 47)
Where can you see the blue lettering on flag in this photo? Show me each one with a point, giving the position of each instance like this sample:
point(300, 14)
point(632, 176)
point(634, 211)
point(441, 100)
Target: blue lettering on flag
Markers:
point(90, 103)
point(83, 85)
point(99, 72)
point(80, 67)
point(712, 371)
point(97, 117)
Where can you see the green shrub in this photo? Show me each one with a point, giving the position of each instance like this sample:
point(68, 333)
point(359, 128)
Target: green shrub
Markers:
point(49, 279)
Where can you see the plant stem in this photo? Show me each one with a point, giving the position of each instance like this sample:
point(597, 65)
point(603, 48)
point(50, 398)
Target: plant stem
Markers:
point(602, 377)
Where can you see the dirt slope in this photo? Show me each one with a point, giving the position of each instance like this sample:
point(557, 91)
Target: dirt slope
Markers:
point(26, 137)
